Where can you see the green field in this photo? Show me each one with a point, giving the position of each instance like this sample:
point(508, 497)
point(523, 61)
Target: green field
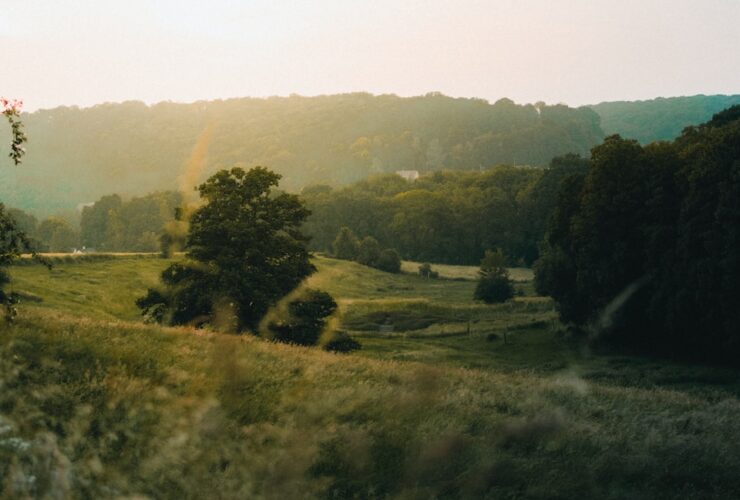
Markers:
point(459, 400)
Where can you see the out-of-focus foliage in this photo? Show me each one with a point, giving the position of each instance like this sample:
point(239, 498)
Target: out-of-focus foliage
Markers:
point(644, 247)
point(304, 319)
point(134, 149)
point(449, 217)
point(11, 110)
point(660, 119)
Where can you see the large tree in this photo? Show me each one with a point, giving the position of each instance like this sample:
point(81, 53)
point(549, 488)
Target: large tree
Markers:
point(245, 252)
point(643, 248)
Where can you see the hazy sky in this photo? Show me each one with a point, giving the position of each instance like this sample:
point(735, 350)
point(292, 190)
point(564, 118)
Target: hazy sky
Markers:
point(574, 51)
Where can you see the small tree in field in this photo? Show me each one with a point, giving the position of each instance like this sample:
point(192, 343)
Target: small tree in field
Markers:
point(389, 261)
point(245, 251)
point(426, 271)
point(346, 244)
point(494, 284)
point(369, 252)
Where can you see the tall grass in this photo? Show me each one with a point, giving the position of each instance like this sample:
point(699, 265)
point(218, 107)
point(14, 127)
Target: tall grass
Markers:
point(95, 409)
point(95, 406)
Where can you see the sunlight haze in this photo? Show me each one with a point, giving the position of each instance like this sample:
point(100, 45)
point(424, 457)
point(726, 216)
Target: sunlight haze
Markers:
point(577, 52)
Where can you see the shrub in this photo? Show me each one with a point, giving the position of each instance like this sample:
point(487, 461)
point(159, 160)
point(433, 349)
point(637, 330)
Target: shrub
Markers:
point(389, 261)
point(494, 285)
point(341, 342)
point(426, 271)
point(306, 318)
point(494, 288)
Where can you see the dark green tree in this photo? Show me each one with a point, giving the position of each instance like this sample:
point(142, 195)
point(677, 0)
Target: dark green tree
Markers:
point(305, 319)
point(368, 252)
point(57, 235)
point(95, 221)
point(13, 242)
point(389, 261)
point(346, 245)
point(494, 284)
point(642, 249)
point(244, 248)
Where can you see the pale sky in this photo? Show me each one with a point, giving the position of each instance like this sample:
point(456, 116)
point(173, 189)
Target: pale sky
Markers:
point(85, 52)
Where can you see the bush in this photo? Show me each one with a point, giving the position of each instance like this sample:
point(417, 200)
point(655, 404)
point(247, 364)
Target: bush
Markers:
point(368, 253)
point(425, 271)
point(341, 342)
point(389, 261)
point(494, 288)
point(306, 318)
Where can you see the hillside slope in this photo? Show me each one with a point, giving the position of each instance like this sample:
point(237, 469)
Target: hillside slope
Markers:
point(77, 155)
point(95, 408)
point(660, 119)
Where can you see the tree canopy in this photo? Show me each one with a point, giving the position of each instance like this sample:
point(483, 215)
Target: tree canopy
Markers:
point(245, 252)
point(134, 149)
point(660, 119)
point(642, 249)
point(445, 217)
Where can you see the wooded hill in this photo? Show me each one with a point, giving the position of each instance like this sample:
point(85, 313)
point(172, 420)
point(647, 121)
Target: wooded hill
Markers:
point(77, 155)
point(660, 119)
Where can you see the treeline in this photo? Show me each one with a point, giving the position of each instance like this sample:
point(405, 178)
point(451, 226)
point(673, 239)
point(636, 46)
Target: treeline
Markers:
point(445, 217)
point(108, 225)
point(643, 248)
point(132, 149)
point(660, 119)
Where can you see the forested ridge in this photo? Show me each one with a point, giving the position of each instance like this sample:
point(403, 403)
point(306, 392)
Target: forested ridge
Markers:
point(660, 119)
point(79, 155)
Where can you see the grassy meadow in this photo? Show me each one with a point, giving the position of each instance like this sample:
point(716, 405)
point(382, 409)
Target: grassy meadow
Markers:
point(459, 400)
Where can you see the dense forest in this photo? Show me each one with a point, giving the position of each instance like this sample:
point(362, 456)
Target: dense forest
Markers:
point(660, 119)
point(643, 247)
point(108, 225)
point(78, 155)
point(447, 217)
